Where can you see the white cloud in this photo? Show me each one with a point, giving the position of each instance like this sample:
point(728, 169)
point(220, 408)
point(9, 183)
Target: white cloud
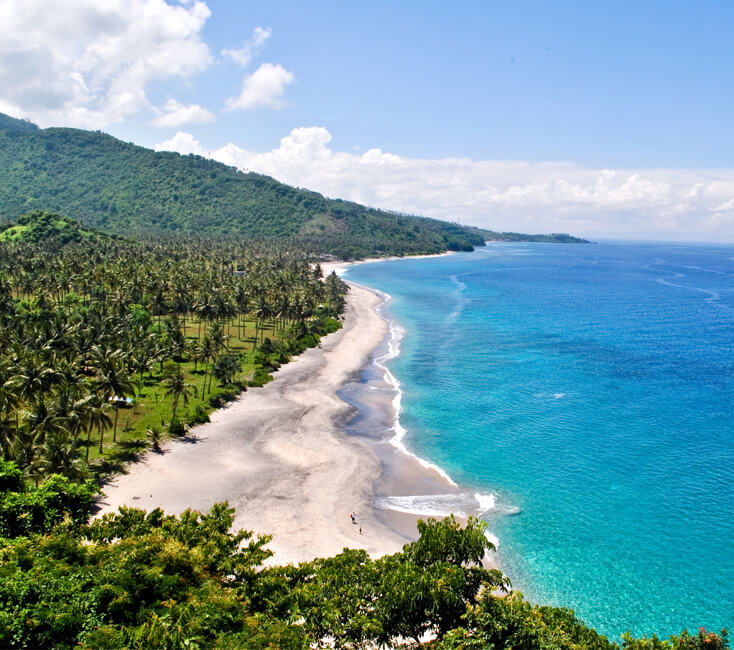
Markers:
point(88, 63)
point(176, 114)
point(183, 143)
point(250, 48)
point(504, 195)
point(263, 88)
point(728, 206)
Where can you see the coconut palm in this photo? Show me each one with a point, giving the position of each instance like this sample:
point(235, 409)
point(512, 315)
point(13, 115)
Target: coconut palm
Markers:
point(176, 386)
point(10, 402)
point(59, 454)
point(33, 378)
point(207, 352)
point(154, 434)
point(97, 417)
point(112, 380)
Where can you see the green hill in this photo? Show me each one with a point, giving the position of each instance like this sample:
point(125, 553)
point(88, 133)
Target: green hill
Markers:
point(39, 226)
point(119, 187)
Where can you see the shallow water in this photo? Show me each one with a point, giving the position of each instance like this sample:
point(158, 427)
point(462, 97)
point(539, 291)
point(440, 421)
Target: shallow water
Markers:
point(588, 390)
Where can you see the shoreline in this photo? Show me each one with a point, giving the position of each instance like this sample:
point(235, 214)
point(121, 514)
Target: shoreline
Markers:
point(279, 455)
point(410, 487)
point(286, 458)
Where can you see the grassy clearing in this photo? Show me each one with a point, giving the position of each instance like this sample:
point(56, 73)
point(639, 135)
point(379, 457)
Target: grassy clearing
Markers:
point(153, 409)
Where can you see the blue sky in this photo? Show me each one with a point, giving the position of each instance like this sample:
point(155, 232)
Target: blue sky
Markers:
point(603, 119)
point(635, 84)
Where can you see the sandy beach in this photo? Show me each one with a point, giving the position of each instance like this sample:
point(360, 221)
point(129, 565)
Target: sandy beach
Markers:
point(280, 456)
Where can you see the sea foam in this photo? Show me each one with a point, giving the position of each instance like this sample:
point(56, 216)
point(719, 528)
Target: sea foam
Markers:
point(395, 335)
point(440, 505)
point(428, 505)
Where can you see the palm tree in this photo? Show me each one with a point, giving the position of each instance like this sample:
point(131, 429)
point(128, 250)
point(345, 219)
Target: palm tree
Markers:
point(263, 311)
point(194, 352)
point(97, 417)
point(10, 402)
point(43, 420)
point(33, 377)
point(112, 380)
point(207, 352)
point(176, 386)
point(218, 337)
point(59, 455)
point(205, 310)
point(242, 300)
point(154, 433)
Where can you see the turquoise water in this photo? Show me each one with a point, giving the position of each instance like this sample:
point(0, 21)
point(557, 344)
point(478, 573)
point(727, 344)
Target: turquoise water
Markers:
point(590, 387)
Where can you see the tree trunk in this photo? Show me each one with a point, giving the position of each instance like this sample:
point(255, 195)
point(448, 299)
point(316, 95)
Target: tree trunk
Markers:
point(114, 430)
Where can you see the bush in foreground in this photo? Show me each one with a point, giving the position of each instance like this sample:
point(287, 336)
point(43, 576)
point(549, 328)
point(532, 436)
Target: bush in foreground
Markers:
point(148, 580)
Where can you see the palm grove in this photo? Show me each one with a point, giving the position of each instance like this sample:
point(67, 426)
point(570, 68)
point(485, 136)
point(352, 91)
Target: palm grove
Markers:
point(178, 326)
point(88, 322)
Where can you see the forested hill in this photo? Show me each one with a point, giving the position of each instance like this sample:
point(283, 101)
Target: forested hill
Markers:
point(549, 238)
point(122, 188)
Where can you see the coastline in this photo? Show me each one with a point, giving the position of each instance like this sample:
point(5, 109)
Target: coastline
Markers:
point(279, 455)
point(409, 487)
point(285, 458)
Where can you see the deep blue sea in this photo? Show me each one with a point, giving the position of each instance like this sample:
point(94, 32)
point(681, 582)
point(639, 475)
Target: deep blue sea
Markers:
point(591, 389)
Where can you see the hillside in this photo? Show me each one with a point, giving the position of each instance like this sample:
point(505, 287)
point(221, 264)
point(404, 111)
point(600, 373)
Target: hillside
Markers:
point(550, 238)
point(119, 187)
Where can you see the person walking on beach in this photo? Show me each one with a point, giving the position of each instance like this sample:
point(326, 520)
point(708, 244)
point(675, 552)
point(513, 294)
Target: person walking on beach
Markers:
point(351, 514)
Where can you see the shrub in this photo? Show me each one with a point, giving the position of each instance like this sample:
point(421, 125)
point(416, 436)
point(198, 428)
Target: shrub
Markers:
point(25, 509)
point(200, 416)
point(260, 378)
point(176, 428)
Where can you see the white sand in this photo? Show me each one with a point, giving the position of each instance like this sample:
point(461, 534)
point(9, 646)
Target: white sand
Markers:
point(280, 456)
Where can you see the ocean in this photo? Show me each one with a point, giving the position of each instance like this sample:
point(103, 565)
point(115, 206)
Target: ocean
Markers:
point(581, 397)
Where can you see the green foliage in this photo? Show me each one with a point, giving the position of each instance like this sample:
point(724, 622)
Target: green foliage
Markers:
point(148, 580)
point(25, 509)
point(511, 622)
point(12, 124)
point(260, 378)
point(119, 187)
point(702, 640)
point(226, 368)
point(38, 226)
point(200, 416)
point(11, 477)
point(447, 541)
point(176, 427)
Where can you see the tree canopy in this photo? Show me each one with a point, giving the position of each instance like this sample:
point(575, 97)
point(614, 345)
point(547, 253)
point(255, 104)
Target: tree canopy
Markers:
point(149, 580)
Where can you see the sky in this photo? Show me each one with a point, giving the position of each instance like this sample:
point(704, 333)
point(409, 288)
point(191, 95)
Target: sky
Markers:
point(601, 119)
